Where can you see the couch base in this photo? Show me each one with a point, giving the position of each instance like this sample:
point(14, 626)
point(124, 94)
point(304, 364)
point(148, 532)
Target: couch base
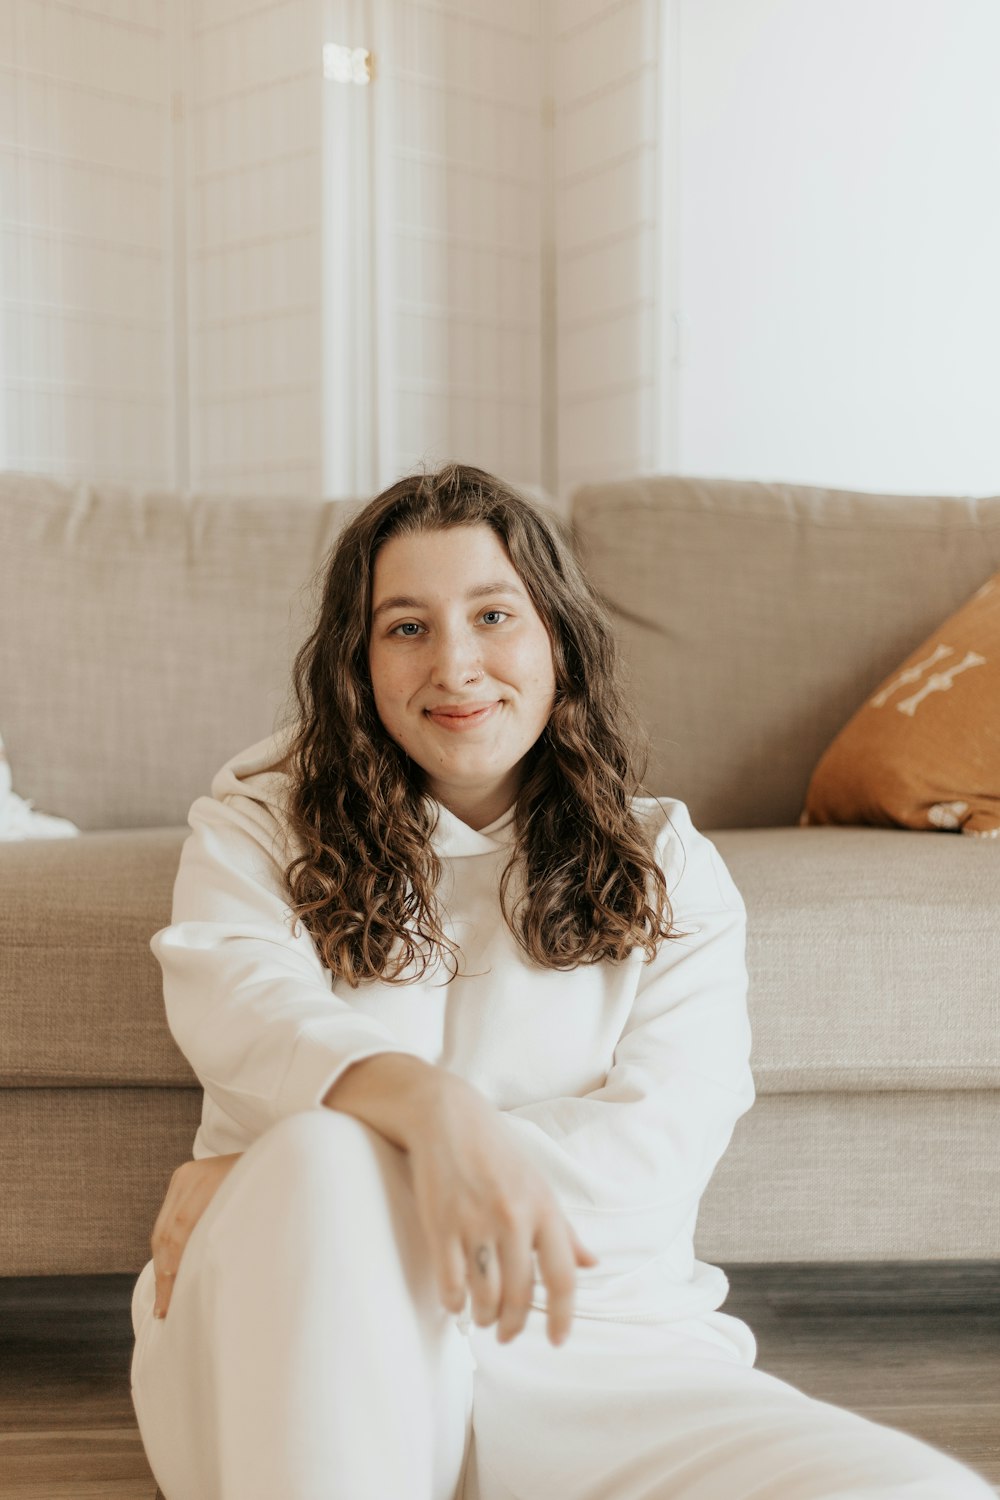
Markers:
point(85, 1172)
point(856, 1177)
point(807, 1177)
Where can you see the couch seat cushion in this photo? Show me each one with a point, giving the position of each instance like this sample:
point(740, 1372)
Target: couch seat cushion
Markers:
point(81, 998)
point(873, 957)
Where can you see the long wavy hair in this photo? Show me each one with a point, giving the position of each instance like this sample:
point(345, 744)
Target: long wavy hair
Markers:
point(589, 885)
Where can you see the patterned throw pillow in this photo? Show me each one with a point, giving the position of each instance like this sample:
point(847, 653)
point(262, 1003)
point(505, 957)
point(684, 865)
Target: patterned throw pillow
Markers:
point(924, 751)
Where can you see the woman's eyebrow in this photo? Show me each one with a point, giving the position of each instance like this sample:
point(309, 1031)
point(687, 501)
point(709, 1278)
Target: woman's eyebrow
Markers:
point(481, 591)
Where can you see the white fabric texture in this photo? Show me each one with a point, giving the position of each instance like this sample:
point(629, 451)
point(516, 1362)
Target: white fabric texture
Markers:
point(622, 1082)
point(305, 1355)
point(306, 1352)
point(18, 819)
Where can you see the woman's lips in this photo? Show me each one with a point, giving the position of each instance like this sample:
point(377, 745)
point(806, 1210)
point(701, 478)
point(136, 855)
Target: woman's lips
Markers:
point(459, 719)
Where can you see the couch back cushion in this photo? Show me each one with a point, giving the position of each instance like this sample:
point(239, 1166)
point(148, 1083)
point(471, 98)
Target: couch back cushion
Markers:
point(755, 618)
point(145, 638)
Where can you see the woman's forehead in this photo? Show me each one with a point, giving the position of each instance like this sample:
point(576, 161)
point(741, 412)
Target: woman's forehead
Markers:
point(443, 563)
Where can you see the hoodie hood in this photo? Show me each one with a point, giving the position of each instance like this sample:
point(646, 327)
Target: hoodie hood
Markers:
point(453, 839)
point(258, 772)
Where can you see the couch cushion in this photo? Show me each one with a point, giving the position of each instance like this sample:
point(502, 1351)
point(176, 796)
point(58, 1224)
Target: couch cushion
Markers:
point(857, 1177)
point(873, 958)
point(104, 1158)
point(756, 617)
point(145, 638)
point(893, 985)
point(807, 1177)
point(81, 995)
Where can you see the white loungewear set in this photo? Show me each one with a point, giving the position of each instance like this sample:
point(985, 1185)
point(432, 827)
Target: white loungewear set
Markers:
point(306, 1354)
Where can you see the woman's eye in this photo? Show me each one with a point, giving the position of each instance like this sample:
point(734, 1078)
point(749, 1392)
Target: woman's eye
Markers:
point(494, 616)
point(408, 629)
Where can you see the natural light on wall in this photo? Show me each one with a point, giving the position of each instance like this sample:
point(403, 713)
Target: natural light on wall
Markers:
point(350, 258)
point(831, 302)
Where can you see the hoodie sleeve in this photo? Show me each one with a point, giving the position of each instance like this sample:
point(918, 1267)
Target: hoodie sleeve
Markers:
point(630, 1160)
point(248, 1000)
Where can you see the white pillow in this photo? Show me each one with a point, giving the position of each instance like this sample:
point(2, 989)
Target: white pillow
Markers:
point(18, 820)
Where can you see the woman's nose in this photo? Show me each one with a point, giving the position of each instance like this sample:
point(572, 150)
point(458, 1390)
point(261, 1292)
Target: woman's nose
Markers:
point(456, 662)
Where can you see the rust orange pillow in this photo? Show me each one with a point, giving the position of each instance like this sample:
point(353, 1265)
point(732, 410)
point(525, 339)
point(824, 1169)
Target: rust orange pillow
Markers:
point(924, 750)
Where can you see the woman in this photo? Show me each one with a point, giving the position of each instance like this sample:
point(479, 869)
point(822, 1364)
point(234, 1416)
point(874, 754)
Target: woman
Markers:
point(470, 1018)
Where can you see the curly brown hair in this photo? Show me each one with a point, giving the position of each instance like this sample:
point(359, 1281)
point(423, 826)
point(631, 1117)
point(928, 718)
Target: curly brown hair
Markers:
point(364, 887)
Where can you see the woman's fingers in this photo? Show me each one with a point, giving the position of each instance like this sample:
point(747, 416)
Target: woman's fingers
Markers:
point(164, 1291)
point(192, 1188)
point(166, 1251)
point(502, 1279)
point(557, 1266)
point(519, 1280)
point(484, 1276)
point(485, 1208)
point(584, 1257)
point(518, 1286)
point(452, 1275)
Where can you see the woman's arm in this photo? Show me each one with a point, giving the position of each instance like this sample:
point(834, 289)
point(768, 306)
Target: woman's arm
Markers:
point(475, 1188)
point(252, 1008)
point(248, 1000)
point(630, 1160)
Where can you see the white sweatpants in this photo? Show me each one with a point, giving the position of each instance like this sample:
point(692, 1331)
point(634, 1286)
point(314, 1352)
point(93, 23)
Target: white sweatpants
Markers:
point(306, 1356)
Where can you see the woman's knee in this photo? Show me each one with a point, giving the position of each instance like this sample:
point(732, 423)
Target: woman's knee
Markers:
point(325, 1192)
point(328, 1154)
point(317, 1131)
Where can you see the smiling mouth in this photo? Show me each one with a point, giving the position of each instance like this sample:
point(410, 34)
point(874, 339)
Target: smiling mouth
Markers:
point(462, 718)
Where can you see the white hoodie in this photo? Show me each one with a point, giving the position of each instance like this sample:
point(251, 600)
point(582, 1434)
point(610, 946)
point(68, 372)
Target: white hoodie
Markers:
point(622, 1082)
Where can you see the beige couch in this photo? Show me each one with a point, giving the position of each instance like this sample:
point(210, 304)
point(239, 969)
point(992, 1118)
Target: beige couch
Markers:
point(146, 638)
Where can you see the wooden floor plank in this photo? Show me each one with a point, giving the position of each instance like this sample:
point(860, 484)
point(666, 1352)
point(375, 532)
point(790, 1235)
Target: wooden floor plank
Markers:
point(882, 1362)
point(80, 1489)
point(916, 1348)
point(109, 1456)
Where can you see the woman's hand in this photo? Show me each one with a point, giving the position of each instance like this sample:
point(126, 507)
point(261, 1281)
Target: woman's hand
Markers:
point(192, 1188)
point(486, 1209)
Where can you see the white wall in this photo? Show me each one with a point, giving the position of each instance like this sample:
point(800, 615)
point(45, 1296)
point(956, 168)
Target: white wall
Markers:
point(607, 202)
point(378, 246)
point(838, 238)
point(593, 237)
point(85, 249)
point(252, 74)
point(461, 87)
point(185, 271)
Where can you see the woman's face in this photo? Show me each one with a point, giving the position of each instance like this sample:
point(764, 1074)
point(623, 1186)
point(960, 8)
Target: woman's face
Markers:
point(461, 665)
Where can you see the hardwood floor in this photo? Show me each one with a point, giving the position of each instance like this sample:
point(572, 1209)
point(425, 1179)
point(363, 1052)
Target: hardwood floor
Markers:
point(913, 1347)
point(916, 1347)
point(67, 1428)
